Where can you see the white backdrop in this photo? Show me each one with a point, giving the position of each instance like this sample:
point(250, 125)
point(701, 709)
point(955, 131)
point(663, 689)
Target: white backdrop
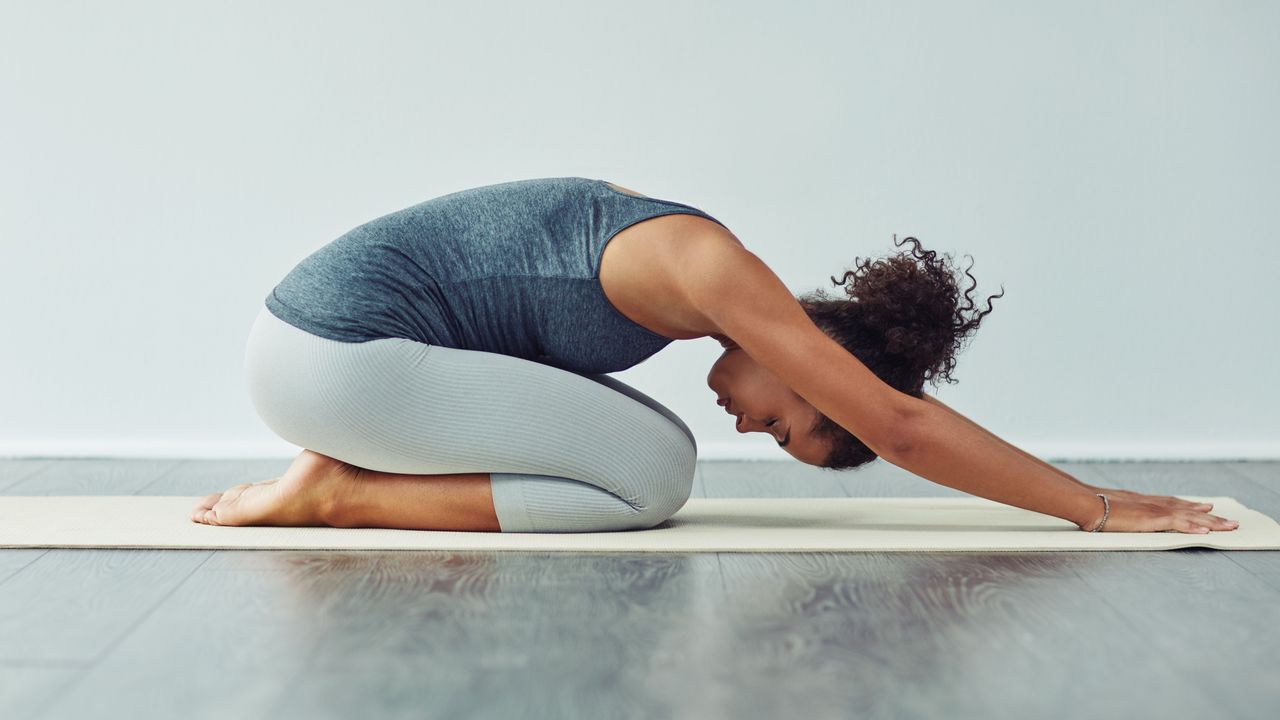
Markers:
point(1113, 164)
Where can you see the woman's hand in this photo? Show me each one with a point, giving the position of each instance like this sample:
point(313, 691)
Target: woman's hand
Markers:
point(1136, 512)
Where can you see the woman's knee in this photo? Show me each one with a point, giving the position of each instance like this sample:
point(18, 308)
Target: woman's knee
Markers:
point(668, 485)
point(621, 494)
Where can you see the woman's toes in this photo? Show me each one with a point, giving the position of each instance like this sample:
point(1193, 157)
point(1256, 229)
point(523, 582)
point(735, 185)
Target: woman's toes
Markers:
point(222, 508)
point(287, 501)
point(198, 512)
point(257, 504)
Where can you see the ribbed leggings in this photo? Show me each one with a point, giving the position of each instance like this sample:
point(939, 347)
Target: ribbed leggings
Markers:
point(566, 452)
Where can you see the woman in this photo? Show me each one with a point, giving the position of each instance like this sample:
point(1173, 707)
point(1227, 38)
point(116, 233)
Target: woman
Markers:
point(443, 367)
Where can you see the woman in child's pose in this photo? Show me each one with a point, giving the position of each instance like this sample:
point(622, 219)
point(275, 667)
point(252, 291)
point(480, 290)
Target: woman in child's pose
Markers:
point(443, 368)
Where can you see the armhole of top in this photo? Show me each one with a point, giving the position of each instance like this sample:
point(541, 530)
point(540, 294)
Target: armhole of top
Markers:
point(688, 209)
point(625, 191)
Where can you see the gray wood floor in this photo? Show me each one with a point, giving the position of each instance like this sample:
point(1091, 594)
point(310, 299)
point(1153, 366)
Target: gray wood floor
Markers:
point(284, 634)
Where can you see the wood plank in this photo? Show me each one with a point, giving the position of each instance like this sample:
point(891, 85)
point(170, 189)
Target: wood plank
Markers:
point(14, 470)
point(1190, 478)
point(286, 560)
point(1206, 611)
point(222, 644)
point(93, 476)
point(547, 634)
point(72, 605)
point(1266, 475)
point(27, 692)
point(699, 488)
point(880, 478)
point(689, 684)
point(416, 602)
point(201, 477)
point(14, 559)
point(955, 635)
point(1206, 615)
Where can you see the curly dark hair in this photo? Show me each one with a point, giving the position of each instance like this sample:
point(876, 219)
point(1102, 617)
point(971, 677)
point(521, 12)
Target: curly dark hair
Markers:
point(903, 320)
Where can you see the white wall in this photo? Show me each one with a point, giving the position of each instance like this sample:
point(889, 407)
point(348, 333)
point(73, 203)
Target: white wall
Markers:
point(1112, 164)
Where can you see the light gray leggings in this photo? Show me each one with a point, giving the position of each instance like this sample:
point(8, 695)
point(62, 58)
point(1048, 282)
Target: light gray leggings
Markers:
point(566, 452)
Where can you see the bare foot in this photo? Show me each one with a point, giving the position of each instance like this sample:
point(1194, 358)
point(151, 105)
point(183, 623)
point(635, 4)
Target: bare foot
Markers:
point(302, 497)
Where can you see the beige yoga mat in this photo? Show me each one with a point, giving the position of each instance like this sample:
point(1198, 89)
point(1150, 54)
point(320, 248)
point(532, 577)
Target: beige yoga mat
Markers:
point(910, 524)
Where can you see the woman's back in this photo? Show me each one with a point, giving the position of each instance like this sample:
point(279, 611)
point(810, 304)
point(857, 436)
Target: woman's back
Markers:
point(510, 268)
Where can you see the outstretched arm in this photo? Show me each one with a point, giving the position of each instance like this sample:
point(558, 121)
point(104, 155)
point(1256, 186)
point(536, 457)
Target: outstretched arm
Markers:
point(738, 294)
point(1166, 501)
point(949, 450)
point(1129, 510)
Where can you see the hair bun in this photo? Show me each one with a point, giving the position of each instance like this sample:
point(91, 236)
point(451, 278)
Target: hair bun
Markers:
point(907, 306)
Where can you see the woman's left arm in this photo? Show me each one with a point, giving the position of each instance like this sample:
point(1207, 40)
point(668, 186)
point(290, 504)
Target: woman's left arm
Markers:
point(1165, 500)
point(955, 452)
point(949, 449)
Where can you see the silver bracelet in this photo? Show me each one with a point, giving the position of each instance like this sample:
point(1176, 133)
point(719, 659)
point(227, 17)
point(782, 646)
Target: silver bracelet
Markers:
point(1106, 510)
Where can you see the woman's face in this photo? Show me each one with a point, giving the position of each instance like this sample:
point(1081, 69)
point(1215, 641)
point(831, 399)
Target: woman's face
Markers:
point(762, 403)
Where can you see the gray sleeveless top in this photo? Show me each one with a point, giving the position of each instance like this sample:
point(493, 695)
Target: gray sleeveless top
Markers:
point(511, 268)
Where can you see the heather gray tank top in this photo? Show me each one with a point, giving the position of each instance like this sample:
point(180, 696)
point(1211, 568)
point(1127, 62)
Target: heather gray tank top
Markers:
point(511, 268)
